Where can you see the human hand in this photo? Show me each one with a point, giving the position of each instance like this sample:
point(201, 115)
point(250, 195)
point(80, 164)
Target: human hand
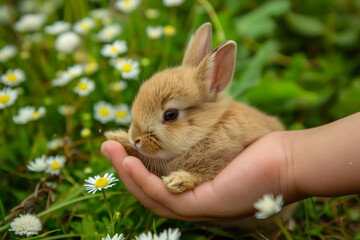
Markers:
point(263, 167)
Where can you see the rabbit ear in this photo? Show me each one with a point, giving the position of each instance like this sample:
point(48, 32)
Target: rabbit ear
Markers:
point(199, 46)
point(217, 69)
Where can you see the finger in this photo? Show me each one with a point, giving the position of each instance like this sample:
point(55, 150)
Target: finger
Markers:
point(116, 154)
point(185, 204)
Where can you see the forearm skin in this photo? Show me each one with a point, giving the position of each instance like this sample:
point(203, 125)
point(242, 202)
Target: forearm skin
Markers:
point(325, 161)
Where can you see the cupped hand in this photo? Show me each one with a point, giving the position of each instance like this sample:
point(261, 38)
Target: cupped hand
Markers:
point(264, 167)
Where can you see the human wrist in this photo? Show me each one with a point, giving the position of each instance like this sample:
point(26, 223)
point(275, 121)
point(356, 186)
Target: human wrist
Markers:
point(288, 178)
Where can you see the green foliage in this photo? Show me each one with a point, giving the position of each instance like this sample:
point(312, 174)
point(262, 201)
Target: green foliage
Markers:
point(297, 59)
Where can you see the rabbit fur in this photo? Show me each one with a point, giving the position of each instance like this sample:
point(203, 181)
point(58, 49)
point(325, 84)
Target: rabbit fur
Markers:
point(210, 129)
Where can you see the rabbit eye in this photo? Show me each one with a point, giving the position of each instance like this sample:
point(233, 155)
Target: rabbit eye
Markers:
point(171, 115)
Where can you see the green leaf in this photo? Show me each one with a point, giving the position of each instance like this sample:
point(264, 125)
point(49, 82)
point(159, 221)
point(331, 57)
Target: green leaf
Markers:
point(277, 96)
point(274, 8)
point(346, 38)
point(258, 22)
point(252, 74)
point(305, 25)
point(348, 100)
point(357, 236)
point(2, 211)
point(88, 226)
point(316, 230)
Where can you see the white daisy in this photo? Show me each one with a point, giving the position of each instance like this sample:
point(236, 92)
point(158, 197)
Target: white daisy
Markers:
point(84, 87)
point(172, 3)
point(24, 115)
point(152, 13)
point(7, 97)
point(7, 53)
point(118, 86)
point(128, 68)
point(66, 110)
point(115, 237)
point(109, 33)
point(67, 42)
point(268, 205)
point(170, 234)
point(99, 13)
point(167, 234)
point(84, 25)
point(99, 183)
point(55, 164)
point(30, 22)
point(37, 114)
point(54, 144)
point(27, 224)
point(122, 114)
point(90, 67)
point(127, 6)
point(60, 81)
point(114, 49)
point(73, 71)
point(154, 32)
point(38, 165)
point(147, 236)
point(104, 112)
point(13, 77)
point(57, 27)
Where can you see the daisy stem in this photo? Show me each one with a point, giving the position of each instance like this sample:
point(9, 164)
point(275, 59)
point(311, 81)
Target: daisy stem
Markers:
point(109, 211)
point(282, 227)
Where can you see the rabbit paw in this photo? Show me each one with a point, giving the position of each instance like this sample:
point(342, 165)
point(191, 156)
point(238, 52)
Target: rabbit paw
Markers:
point(180, 181)
point(117, 135)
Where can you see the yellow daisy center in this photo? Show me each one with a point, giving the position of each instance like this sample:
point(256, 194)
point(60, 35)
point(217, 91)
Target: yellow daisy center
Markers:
point(126, 68)
point(90, 67)
point(114, 49)
point(104, 111)
point(117, 87)
point(4, 54)
point(85, 132)
point(169, 30)
point(55, 165)
point(109, 33)
point(36, 115)
point(82, 86)
point(101, 182)
point(121, 114)
point(127, 4)
point(12, 77)
point(85, 26)
point(4, 99)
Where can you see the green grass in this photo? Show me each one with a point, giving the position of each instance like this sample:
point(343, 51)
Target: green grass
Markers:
point(296, 59)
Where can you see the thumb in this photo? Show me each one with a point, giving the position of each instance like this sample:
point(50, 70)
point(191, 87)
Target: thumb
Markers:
point(115, 152)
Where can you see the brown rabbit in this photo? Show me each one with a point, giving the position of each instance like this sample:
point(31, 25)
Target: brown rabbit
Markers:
point(183, 129)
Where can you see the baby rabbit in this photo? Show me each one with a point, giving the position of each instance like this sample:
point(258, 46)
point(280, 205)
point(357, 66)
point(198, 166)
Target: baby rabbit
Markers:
point(183, 129)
